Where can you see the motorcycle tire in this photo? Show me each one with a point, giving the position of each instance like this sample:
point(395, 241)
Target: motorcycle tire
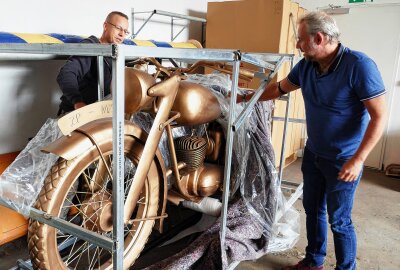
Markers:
point(76, 191)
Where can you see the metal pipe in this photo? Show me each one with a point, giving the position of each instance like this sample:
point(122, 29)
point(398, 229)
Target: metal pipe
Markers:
point(282, 159)
point(171, 145)
point(250, 105)
point(68, 227)
point(67, 49)
point(233, 265)
point(179, 53)
point(293, 120)
point(140, 29)
point(228, 151)
point(172, 28)
point(100, 75)
point(180, 16)
point(118, 120)
point(144, 12)
point(23, 265)
point(174, 37)
point(36, 51)
point(265, 60)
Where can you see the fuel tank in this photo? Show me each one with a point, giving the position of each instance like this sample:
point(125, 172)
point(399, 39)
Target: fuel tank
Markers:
point(137, 83)
point(197, 104)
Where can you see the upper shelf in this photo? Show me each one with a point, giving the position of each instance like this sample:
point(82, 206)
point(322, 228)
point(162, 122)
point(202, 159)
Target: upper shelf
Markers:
point(19, 46)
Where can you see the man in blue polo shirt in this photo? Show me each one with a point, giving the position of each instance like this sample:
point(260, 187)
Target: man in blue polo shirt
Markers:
point(345, 107)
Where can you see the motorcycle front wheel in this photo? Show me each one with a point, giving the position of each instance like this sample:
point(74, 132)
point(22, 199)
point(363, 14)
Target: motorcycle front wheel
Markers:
point(80, 191)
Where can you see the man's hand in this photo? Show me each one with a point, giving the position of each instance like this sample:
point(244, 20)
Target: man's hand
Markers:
point(351, 170)
point(79, 105)
point(377, 110)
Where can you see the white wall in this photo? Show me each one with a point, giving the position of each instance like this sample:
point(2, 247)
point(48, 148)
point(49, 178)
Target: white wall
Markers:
point(392, 149)
point(365, 30)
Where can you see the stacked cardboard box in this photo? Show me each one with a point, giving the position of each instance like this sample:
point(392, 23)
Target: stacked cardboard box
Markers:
point(265, 26)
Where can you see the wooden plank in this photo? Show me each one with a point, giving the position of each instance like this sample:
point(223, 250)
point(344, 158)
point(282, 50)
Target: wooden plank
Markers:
point(6, 160)
point(15, 225)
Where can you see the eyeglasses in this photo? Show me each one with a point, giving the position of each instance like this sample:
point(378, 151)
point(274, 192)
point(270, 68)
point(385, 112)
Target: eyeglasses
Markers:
point(119, 28)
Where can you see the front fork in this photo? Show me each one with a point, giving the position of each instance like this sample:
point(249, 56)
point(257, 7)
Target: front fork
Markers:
point(165, 93)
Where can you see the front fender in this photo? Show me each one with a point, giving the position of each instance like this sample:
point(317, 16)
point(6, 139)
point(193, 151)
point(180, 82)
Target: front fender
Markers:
point(75, 144)
point(71, 146)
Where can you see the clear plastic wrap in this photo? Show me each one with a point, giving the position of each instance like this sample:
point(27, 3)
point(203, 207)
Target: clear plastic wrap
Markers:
point(253, 169)
point(22, 181)
point(286, 228)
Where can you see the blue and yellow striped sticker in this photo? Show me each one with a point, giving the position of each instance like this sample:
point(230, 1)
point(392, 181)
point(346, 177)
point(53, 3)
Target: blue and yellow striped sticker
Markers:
point(7, 37)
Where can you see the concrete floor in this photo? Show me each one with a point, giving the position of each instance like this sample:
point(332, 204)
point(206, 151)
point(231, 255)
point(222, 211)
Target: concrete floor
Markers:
point(376, 216)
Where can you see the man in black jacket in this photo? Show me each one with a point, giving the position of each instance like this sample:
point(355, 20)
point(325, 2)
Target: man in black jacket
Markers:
point(78, 78)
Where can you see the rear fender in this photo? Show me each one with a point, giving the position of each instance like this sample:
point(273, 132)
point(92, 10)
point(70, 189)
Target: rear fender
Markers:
point(75, 144)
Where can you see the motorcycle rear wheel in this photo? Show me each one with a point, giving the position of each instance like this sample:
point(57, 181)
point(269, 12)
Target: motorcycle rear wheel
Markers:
point(80, 191)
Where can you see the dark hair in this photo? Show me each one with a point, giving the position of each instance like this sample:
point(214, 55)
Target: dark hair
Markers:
point(111, 14)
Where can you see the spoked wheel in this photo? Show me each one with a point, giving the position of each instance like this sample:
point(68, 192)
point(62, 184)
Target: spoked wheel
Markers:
point(80, 191)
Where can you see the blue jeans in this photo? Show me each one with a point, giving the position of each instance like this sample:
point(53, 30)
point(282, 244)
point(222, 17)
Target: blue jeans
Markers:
point(323, 193)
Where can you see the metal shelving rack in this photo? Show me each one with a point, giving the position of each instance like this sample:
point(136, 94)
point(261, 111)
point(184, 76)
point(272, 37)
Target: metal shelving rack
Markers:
point(120, 53)
point(173, 17)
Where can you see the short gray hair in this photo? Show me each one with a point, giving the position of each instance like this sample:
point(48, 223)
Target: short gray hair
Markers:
point(318, 21)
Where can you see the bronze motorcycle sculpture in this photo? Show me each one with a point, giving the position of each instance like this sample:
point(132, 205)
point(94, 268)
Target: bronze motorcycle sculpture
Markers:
point(79, 186)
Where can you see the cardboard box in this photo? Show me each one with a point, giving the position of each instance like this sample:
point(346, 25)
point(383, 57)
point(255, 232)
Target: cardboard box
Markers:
point(265, 26)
